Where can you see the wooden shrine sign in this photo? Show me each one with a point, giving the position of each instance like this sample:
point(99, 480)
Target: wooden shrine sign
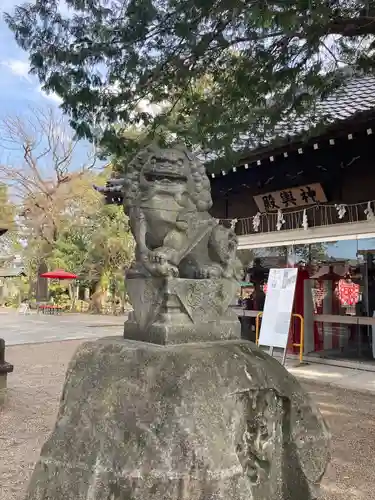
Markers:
point(288, 198)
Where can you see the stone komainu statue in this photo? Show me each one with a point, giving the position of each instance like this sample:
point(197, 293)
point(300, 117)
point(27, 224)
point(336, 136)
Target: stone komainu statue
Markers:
point(182, 408)
point(166, 194)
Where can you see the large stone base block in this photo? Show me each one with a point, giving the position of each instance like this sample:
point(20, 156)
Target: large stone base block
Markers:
point(175, 310)
point(164, 333)
point(212, 421)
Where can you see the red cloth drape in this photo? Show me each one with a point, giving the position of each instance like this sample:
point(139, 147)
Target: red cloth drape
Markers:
point(299, 308)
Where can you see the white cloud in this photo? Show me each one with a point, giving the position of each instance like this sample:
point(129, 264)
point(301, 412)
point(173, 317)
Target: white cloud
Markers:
point(51, 96)
point(64, 9)
point(21, 68)
point(145, 106)
point(8, 5)
point(18, 67)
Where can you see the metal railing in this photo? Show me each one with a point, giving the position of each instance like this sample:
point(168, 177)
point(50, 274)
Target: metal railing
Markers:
point(317, 216)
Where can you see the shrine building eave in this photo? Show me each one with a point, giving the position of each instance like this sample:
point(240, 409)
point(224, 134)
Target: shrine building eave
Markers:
point(351, 108)
point(348, 109)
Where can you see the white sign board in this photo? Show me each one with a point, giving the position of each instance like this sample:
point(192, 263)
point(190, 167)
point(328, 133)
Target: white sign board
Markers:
point(278, 307)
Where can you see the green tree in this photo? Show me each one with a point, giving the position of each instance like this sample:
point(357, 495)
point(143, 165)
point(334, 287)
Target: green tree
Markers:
point(98, 248)
point(49, 186)
point(61, 220)
point(259, 60)
point(7, 209)
point(110, 248)
point(9, 234)
point(309, 253)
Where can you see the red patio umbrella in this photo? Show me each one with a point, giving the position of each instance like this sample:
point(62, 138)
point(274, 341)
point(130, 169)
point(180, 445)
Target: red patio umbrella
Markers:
point(59, 274)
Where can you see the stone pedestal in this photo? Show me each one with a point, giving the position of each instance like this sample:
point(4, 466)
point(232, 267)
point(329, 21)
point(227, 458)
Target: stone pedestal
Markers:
point(175, 310)
point(211, 421)
point(5, 368)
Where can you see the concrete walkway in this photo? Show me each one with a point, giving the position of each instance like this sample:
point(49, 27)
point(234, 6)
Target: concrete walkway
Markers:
point(17, 329)
point(34, 328)
point(336, 376)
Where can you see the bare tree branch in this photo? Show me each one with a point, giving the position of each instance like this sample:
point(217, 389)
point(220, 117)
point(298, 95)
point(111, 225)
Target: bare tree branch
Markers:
point(43, 175)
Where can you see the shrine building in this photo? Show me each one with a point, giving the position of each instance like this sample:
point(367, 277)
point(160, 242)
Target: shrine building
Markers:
point(307, 198)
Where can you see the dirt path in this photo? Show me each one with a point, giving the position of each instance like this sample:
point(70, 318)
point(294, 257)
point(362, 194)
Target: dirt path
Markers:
point(34, 392)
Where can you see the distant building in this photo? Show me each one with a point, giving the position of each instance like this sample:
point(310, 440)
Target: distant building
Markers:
point(11, 268)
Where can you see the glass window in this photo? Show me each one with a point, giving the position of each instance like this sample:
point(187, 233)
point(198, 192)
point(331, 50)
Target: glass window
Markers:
point(256, 266)
point(342, 278)
point(342, 272)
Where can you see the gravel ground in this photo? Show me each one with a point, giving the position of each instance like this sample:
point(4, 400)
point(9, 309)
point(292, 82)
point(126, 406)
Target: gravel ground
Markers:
point(34, 392)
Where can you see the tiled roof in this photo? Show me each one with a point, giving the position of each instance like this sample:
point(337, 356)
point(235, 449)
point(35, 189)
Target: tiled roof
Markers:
point(12, 272)
point(356, 96)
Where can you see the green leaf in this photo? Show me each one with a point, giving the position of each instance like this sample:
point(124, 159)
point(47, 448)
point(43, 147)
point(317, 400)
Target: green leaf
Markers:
point(219, 65)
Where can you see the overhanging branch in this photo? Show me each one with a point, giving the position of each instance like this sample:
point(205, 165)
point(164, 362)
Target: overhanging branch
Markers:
point(352, 27)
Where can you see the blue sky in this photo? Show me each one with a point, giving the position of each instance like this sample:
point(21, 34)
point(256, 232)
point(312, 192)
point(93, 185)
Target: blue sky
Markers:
point(20, 91)
point(348, 249)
